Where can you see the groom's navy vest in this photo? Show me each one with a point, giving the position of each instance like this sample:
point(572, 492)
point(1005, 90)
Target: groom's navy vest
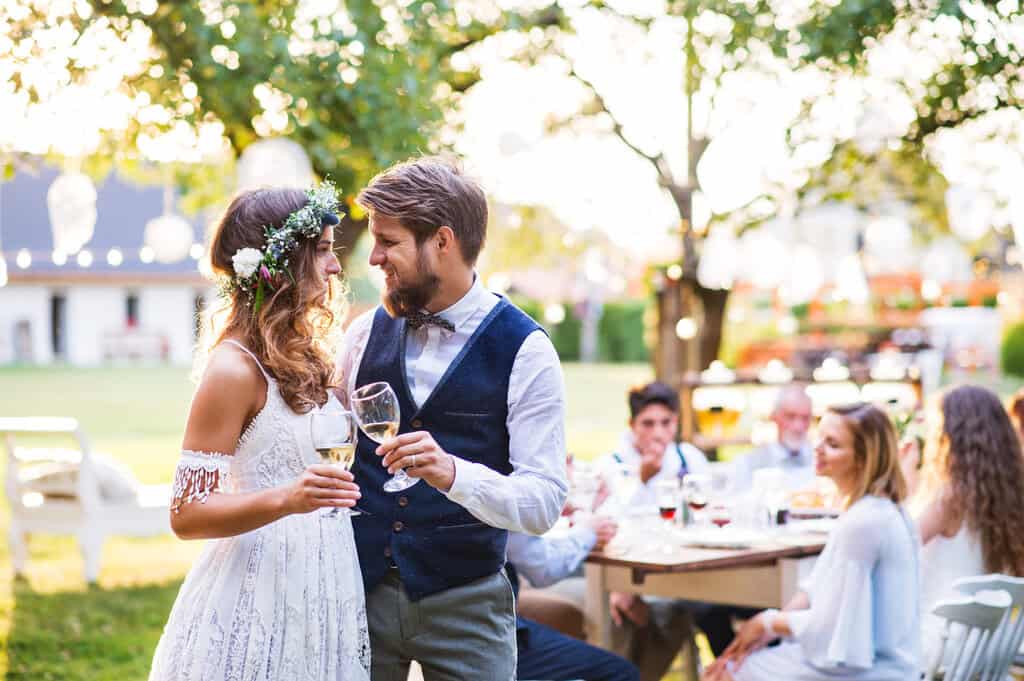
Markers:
point(435, 543)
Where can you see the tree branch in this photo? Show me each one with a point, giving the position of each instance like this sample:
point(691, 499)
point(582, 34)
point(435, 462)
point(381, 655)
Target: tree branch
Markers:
point(658, 160)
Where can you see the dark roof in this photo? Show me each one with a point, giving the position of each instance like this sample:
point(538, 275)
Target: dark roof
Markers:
point(122, 209)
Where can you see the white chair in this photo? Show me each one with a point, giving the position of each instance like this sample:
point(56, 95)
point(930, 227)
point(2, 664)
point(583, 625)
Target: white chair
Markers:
point(1007, 638)
point(979, 616)
point(82, 511)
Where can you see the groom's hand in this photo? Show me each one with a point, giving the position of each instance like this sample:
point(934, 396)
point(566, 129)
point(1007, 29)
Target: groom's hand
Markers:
point(421, 457)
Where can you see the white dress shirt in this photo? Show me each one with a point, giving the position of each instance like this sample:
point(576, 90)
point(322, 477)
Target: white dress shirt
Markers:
point(645, 494)
point(547, 560)
point(531, 498)
point(798, 466)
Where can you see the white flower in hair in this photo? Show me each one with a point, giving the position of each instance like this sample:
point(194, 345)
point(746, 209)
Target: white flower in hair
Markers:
point(245, 261)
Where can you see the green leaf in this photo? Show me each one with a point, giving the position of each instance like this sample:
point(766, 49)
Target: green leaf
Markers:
point(258, 302)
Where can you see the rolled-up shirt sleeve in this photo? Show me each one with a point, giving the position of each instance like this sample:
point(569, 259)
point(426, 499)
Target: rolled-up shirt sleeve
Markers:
point(547, 560)
point(531, 498)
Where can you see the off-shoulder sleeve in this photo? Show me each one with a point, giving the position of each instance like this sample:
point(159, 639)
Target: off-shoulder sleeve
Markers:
point(837, 631)
point(200, 474)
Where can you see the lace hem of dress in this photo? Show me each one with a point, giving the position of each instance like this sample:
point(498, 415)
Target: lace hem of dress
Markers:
point(198, 475)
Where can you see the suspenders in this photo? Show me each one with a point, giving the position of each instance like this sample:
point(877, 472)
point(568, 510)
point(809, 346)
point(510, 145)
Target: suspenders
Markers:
point(683, 468)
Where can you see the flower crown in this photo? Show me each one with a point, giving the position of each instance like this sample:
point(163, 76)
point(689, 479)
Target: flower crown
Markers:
point(256, 270)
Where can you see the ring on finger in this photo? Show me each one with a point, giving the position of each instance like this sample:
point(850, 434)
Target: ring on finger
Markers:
point(413, 463)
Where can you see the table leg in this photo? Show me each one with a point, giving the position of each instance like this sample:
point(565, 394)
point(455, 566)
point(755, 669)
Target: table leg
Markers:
point(791, 571)
point(597, 617)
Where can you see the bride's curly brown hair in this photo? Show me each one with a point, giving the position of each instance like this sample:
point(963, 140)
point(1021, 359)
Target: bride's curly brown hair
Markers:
point(977, 458)
point(294, 329)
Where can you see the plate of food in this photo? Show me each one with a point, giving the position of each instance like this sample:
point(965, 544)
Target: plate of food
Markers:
point(811, 505)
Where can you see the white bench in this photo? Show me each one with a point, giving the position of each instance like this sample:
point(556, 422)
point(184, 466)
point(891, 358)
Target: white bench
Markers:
point(83, 513)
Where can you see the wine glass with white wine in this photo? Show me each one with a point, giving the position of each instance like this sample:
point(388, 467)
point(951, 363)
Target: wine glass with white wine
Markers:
point(376, 410)
point(334, 437)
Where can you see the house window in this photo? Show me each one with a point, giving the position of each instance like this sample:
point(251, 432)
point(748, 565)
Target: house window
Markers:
point(131, 310)
point(58, 325)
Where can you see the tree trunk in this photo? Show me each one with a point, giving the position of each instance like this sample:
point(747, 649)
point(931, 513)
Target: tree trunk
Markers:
point(712, 303)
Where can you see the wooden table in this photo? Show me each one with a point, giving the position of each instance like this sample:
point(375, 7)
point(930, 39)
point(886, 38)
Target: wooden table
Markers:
point(765, 576)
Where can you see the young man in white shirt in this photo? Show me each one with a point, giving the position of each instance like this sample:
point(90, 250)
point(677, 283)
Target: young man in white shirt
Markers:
point(649, 448)
point(650, 632)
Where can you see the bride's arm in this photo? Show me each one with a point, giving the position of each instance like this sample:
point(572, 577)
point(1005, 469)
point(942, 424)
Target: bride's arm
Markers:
point(203, 508)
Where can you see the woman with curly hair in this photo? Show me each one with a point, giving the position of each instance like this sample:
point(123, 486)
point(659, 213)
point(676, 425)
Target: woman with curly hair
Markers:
point(278, 593)
point(972, 521)
point(857, 616)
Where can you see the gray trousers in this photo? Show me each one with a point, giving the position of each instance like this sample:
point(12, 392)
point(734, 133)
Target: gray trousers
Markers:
point(466, 633)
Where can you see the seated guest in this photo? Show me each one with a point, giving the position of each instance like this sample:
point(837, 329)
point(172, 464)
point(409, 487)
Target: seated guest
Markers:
point(1017, 412)
point(858, 614)
point(972, 519)
point(649, 447)
point(651, 631)
point(545, 653)
point(912, 453)
point(792, 452)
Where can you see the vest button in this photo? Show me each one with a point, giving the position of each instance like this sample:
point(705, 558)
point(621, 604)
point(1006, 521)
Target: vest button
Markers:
point(387, 551)
point(403, 501)
point(417, 423)
point(398, 526)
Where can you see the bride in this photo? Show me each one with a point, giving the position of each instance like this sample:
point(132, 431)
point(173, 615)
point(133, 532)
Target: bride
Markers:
point(278, 593)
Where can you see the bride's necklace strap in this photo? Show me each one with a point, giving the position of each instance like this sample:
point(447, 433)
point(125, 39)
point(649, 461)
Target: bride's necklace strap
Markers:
point(198, 475)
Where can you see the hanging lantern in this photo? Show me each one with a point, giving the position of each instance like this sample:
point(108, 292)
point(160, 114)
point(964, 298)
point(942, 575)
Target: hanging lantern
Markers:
point(970, 212)
point(851, 282)
point(276, 162)
point(720, 260)
point(888, 241)
point(945, 260)
point(764, 258)
point(806, 276)
point(170, 236)
point(71, 203)
point(831, 230)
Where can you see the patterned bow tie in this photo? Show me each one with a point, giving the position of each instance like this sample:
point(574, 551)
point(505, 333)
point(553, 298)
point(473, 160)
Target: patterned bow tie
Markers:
point(417, 319)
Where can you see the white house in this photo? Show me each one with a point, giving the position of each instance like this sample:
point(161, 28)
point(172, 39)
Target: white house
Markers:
point(109, 302)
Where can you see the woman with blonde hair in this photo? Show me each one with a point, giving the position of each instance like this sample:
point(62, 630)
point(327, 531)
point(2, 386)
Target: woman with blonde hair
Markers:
point(972, 519)
point(1017, 412)
point(856, 616)
point(277, 594)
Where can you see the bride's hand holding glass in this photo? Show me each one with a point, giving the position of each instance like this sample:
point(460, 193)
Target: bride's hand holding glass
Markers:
point(320, 486)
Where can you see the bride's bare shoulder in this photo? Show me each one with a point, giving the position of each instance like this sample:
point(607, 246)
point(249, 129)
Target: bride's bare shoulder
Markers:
point(231, 371)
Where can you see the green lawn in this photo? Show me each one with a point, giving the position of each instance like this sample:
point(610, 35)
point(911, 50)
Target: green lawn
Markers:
point(52, 626)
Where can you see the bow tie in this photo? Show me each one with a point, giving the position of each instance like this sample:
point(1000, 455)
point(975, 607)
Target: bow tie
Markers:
point(417, 319)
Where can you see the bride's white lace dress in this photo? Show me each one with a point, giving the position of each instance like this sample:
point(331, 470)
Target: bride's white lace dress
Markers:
point(284, 602)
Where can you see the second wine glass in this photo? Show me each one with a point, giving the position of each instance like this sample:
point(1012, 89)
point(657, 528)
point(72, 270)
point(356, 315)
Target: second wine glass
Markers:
point(377, 412)
point(334, 438)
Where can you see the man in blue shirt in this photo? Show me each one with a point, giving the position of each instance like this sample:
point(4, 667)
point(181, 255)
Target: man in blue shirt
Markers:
point(545, 653)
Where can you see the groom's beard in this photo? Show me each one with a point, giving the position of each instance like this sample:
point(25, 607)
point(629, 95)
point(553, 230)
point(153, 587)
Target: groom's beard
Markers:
point(413, 297)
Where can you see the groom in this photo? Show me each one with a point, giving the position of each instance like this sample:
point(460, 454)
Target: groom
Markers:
point(482, 409)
